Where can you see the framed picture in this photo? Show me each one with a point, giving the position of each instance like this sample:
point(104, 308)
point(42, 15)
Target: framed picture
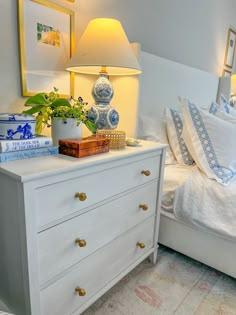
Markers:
point(230, 48)
point(46, 44)
point(226, 73)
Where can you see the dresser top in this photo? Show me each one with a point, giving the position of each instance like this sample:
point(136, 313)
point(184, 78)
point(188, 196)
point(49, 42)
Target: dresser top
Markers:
point(29, 169)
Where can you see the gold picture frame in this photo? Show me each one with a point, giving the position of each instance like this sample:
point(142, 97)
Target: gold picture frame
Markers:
point(226, 73)
point(230, 48)
point(46, 44)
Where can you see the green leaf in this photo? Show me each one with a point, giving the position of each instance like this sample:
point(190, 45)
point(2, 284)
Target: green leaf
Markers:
point(45, 116)
point(39, 124)
point(90, 125)
point(33, 110)
point(60, 102)
point(38, 99)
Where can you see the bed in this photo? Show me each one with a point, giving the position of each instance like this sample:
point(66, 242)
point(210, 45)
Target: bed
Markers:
point(162, 81)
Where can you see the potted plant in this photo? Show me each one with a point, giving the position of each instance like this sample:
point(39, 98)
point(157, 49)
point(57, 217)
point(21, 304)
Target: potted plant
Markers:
point(65, 116)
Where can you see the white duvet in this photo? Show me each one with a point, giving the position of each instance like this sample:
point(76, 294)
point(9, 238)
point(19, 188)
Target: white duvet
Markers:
point(174, 176)
point(201, 201)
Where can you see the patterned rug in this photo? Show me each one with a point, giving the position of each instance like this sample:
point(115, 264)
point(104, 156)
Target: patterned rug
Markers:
point(176, 285)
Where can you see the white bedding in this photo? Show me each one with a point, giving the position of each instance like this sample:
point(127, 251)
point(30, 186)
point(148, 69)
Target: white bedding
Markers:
point(174, 176)
point(200, 201)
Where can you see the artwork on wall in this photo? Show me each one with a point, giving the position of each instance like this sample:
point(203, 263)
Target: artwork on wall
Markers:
point(230, 48)
point(46, 43)
point(48, 35)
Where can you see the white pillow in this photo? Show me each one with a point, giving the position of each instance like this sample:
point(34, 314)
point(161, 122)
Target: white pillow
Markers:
point(225, 105)
point(150, 129)
point(211, 141)
point(174, 126)
point(216, 110)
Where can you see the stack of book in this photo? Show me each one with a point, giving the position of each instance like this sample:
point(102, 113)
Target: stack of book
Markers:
point(11, 150)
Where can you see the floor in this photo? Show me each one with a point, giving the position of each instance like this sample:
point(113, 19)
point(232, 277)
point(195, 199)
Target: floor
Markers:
point(176, 285)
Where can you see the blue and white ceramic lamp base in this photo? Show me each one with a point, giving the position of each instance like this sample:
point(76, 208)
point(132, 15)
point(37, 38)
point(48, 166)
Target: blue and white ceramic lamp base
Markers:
point(103, 115)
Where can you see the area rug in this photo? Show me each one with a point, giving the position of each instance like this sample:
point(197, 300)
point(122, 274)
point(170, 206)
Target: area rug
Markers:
point(176, 285)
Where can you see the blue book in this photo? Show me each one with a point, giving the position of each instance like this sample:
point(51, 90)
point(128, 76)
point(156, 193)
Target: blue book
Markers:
point(26, 154)
point(25, 144)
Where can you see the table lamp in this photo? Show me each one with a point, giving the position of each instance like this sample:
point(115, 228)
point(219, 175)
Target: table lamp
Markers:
point(104, 49)
point(233, 90)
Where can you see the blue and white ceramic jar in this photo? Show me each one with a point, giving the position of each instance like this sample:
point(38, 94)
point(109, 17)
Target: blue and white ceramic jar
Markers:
point(17, 126)
point(101, 113)
point(104, 116)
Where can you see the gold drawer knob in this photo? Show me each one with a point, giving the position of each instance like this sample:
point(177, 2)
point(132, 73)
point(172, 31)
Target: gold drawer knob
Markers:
point(81, 196)
point(80, 291)
point(146, 172)
point(144, 207)
point(80, 243)
point(141, 245)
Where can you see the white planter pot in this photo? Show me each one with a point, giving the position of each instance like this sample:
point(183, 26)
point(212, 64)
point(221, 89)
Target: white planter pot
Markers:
point(68, 129)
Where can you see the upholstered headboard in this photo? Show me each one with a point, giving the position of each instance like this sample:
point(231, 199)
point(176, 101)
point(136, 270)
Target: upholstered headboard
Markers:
point(162, 81)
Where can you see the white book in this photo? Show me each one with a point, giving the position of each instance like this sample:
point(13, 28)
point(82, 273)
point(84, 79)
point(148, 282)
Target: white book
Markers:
point(25, 144)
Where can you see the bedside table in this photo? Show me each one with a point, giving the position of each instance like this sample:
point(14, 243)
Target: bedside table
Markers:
point(72, 228)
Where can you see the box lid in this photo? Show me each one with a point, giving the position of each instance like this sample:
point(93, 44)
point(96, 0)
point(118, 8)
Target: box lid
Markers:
point(84, 143)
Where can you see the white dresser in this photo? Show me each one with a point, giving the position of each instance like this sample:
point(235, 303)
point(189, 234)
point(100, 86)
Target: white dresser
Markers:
point(71, 228)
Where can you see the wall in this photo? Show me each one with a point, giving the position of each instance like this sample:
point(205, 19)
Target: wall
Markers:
point(187, 31)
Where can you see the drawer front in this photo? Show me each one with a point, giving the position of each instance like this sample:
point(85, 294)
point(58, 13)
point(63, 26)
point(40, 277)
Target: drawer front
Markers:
point(97, 270)
point(57, 247)
point(57, 200)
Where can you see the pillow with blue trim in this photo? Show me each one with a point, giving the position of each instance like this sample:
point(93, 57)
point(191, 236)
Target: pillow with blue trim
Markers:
point(216, 110)
point(211, 141)
point(150, 129)
point(174, 125)
point(225, 106)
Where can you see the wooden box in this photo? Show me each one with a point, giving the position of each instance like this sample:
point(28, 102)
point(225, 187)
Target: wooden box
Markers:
point(84, 147)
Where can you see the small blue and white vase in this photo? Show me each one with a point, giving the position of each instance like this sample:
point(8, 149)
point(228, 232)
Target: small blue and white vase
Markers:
point(17, 126)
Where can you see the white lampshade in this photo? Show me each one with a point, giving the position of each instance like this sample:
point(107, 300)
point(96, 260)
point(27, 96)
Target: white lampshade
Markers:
point(233, 84)
point(104, 43)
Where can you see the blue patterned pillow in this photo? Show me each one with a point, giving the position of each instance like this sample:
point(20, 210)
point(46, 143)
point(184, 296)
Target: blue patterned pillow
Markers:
point(174, 124)
point(211, 141)
point(226, 107)
point(216, 110)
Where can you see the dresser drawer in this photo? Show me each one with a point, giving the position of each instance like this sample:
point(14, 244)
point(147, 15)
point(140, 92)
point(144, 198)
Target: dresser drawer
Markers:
point(57, 247)
point(97, 270)
point(58, 200)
